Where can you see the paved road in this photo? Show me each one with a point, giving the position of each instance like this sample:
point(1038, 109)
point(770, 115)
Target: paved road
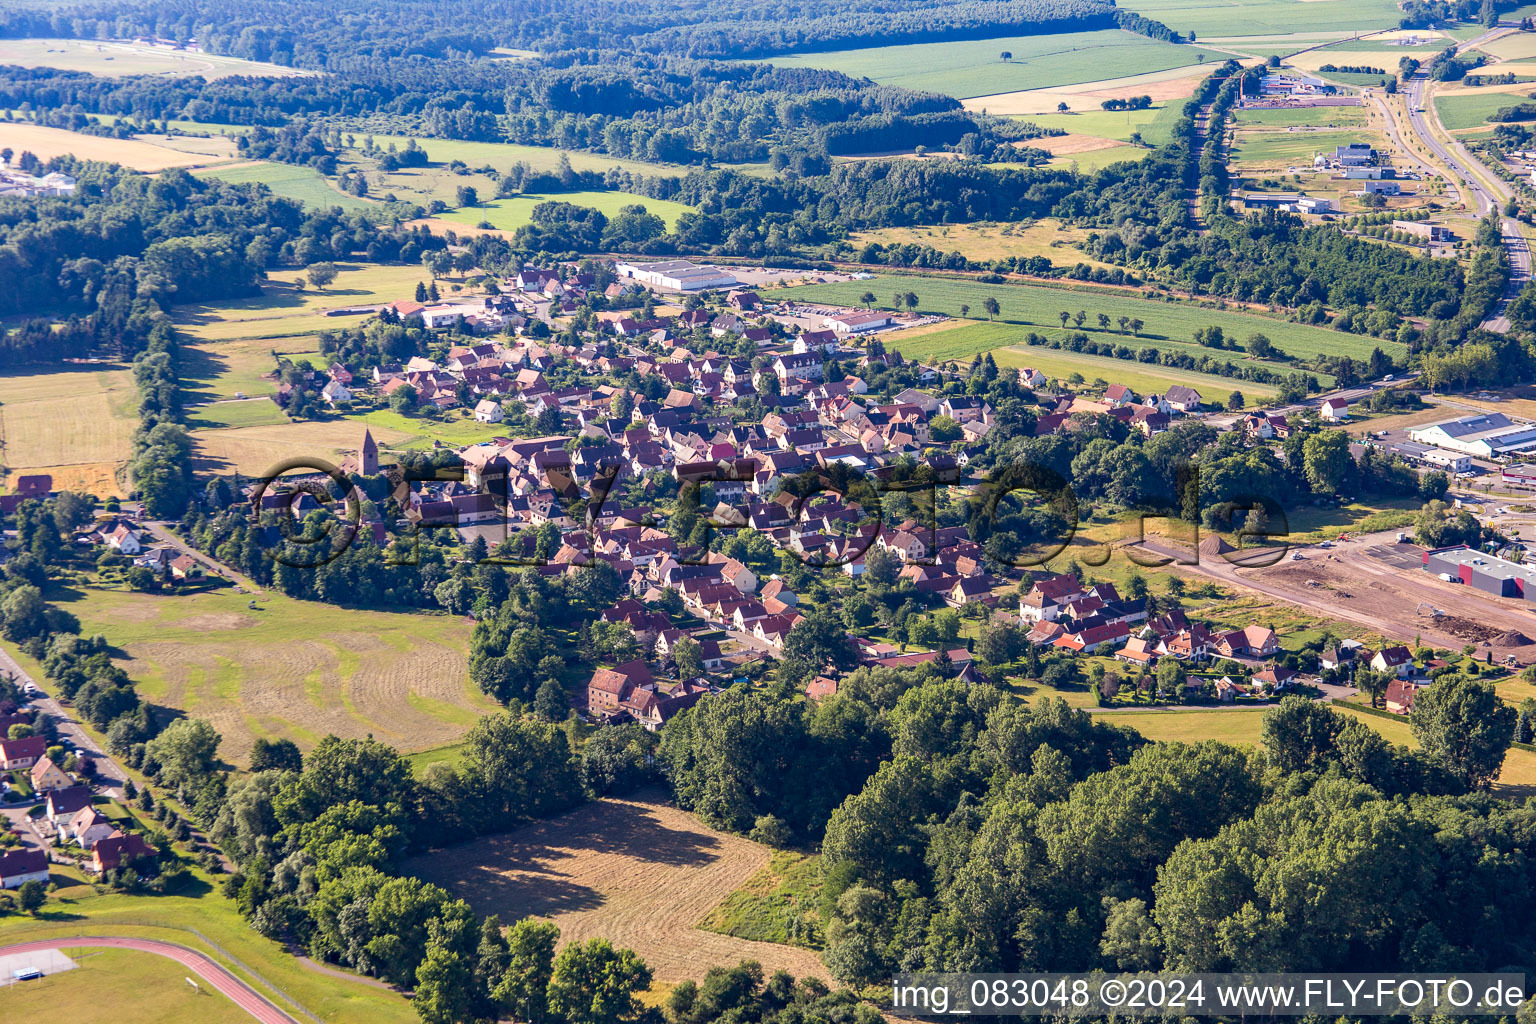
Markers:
point(241, 994)
point(1459, 161)
point(109, 774)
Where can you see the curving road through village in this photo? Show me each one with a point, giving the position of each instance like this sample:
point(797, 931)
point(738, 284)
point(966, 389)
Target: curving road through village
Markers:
point(241, 994)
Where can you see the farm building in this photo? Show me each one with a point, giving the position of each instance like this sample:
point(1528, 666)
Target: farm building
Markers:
point(1487, 435)
point(1488, 573)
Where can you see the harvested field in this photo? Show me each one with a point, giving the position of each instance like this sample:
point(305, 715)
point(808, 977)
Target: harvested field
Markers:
point(253, 450)
point(76, 424)
point(1173, 84)
point(1063, 145)
point(638, 872)
point(47, 143)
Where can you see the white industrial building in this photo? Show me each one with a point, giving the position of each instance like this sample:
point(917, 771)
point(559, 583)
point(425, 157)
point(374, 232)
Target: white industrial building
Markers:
point(678, 275)
point(1490, 435)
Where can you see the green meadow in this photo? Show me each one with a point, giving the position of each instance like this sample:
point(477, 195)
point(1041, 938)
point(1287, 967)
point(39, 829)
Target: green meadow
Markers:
point(511, 214)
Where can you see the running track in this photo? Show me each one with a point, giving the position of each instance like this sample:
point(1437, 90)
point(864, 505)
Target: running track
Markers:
point(243, 996)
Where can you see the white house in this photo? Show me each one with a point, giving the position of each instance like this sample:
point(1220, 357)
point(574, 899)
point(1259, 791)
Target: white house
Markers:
point(1335, 410)
point(487, 411)
point(335, 392)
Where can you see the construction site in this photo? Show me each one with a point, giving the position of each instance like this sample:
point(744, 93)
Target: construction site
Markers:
point(1379, 583)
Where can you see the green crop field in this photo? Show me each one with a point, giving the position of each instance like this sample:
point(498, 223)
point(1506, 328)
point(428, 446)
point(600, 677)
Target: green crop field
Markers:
point(293, 669)
point(1166, 324)
point(305, 184)
point(511, 214)
point(1239, 17)
point(1472, 110)
point(1096, 159)
point(973, 67)
point(1284, 149)
point(1154, 123)
point(1313, 117)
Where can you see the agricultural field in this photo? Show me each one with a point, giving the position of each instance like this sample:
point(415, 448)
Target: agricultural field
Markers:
point(142, 988)
point(974, 68)
point(989, 241)
point(292, 669)
point(245, 412)
point(511, 214)
point(254, 450)
point(1282, 149)
point(1238, 17)
point(1166, 324)
point(76, 424)
point(1154, 124)
point(638, 872)
point(110, 59)
point(290, 181)
point(1461, 110)
point(282, 311)
point(1139, 377)
point(1162, 86)
point(47, 143)
point(1514, 46)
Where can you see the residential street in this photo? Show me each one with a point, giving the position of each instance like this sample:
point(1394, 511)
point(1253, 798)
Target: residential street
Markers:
point(109, 773)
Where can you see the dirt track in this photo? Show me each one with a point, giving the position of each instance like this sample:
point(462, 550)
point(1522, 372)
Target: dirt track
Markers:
point(1377, 583)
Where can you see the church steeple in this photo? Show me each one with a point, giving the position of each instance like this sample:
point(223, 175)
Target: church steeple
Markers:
point(368, 457)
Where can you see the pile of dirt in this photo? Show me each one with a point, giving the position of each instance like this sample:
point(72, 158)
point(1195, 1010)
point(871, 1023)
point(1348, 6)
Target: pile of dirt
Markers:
point(1478, 633)
point(1213, 546)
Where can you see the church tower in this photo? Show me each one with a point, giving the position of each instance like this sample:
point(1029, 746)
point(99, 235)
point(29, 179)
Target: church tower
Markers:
point(368, 457)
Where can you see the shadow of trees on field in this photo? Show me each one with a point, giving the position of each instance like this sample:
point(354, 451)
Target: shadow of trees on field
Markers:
point(533, 871)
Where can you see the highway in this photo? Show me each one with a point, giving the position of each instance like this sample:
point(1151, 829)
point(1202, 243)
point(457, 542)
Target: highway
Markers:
point(1456, 158)
point(213, 975)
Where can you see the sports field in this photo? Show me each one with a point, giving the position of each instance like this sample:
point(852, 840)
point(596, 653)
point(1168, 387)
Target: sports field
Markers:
point(975, 68)
point(112, 59)
point(74, 424)
point(1250, 17)
point(142, 988)
point(1165, 324)
point(511, 214)
point(289, 668)
point(291, 181)
point(638, 872)
point(47, 143)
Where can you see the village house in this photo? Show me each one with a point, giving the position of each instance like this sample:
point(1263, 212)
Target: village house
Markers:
point(19, 867)
point(47, 776)
point(118, 850)
point(22, 753)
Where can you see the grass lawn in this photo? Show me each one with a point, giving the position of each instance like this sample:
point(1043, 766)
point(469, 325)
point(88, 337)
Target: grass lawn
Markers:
point(282, 311)
point(291, 668)
point(459, 429)
point(202, 919)
point(989, 241)
point(511, 214)
point(1155, 123)
point(214, 370)
point(1473, 109)
point(76, 424)
point(250, 412)
point(1315, 117)
point(1166, 324)
point(1285, 149)
point(973, 68)
point(142, 988)
point(291, 181)
point(775, 905)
